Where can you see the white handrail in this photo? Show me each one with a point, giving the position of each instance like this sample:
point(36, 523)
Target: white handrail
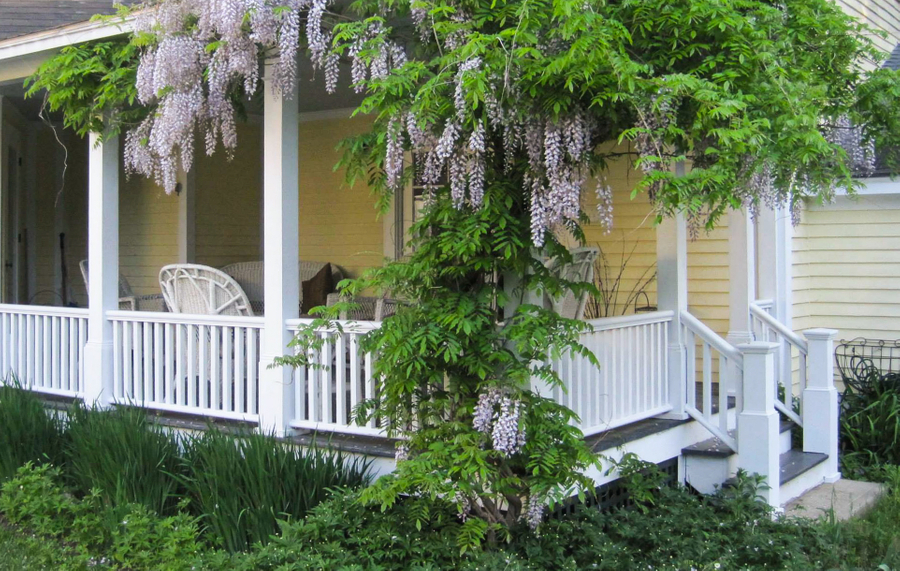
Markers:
point(349, 326)
point(757, 311)
point(185, 318)
point(44, 310)
point(607, 323)
point(710, 336)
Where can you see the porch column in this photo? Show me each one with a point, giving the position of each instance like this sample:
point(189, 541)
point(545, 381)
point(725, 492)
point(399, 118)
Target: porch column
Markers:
point(103, 267)
point(774, 232)
point(758, 434)
point(671, 271)
point(281, 251)
point(820, 400)
point(187, 200)
point(742, 275)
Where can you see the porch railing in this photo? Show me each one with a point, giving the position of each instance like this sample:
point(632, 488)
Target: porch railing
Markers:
point(631, 383)
point(198, 364)
point(727, 381)
point(43, 347)
point(338, 378)
point(787, 377)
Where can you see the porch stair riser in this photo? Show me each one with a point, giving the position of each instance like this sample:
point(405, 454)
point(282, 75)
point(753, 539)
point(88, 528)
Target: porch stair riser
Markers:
point(711, 464)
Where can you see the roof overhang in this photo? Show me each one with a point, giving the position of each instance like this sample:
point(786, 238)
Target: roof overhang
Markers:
point(20, 56)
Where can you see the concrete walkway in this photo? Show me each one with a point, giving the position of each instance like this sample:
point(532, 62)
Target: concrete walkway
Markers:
point(848, 498)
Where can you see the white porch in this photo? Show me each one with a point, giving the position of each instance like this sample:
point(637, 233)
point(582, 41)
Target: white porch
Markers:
point(665, 363)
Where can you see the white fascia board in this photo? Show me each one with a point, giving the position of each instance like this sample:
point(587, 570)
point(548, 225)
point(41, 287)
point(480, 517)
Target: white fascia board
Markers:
point(51, 40)
point(877, 185)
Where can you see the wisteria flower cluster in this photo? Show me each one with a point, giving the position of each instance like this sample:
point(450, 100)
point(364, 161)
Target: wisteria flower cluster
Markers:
point(500, 415)
point(202, 49)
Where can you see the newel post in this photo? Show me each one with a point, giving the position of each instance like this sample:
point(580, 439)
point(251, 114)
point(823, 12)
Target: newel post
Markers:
point(671, 268)
point(103, 268)
point(758, 449)
point(281, 251)
point(820, 400)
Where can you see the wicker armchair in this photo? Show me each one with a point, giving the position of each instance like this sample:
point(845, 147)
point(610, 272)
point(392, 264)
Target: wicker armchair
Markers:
point(367, 308)
point(202, 290)
point(580, 269)
point(127, 300)
point(251, 277)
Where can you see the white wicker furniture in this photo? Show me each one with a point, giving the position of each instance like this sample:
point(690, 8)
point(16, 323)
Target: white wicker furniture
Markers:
point(202, 290)
point(367, 308)
point(580, 269)
point(127, 300)
point(251, 277)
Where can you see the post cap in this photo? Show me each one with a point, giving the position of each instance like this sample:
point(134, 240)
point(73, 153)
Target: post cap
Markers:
point(757, 347)
point(820, 334)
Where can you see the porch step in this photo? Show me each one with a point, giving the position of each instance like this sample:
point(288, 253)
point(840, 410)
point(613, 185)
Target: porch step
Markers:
point(715, 448)
point(795, 463)
point(711, 464)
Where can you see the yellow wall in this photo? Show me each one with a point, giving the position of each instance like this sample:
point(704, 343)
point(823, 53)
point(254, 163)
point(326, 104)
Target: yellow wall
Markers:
point(148, 232)
point(879, 14)
point(338, 223)
point(228, 207)
point(847, 267)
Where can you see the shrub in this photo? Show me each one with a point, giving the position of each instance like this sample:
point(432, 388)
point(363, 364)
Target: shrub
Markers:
point(870, 424)
point(241, 487)
point(27, 432)
point(124, 455)
point(129, 536)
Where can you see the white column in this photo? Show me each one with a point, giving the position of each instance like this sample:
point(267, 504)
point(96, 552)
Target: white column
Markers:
point(187, 201)
point(820, 400)
point(742, 275)
point(103, 267)
point(758, 434)
point(4, 255)
point(30, 190)
point(672, 291)
point(766, 253)
point(281, 238)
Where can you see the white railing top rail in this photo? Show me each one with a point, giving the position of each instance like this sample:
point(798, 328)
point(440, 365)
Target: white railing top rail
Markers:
point(187, 318)
point(760, 313)
point(348, 326)
point(711, 337)
point(44, 310)
point(765, 303)
point(607, 323)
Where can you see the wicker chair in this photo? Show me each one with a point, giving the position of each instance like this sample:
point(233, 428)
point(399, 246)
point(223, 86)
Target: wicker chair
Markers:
point(251, 277)
point(202, 290)
point(367, 308)
point(580, 269)
point(127, 300)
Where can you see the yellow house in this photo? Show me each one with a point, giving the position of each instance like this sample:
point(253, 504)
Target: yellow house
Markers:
point(695, 339)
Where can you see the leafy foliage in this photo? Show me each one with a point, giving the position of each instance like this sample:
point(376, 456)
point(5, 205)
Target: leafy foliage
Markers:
point(241, 488)
point(448, 352)
point(93, 85)
point(126, 536)
point(870, 424)
point(27, 432)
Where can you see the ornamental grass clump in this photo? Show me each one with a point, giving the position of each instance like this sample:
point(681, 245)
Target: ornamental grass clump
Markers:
point(29, 432)
point(125, 455)
point(241, 485)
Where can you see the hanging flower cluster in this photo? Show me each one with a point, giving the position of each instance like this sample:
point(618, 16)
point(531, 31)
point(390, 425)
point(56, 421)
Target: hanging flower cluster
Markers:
point(203, 49)
point(498, 414)
point(850, 137)
point(534, 511)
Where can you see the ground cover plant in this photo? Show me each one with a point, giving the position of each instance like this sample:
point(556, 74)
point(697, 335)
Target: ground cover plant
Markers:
point(667, 528)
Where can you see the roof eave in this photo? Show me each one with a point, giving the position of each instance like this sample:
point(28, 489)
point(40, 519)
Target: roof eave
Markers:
point(50, 40)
